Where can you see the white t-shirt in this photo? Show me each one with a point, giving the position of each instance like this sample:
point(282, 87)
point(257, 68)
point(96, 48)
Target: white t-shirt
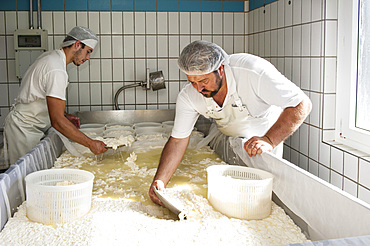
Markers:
point(260, 86)
point(47, 76)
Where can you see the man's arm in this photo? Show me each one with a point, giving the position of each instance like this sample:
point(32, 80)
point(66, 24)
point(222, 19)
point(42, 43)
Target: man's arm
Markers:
point(288, 122)
point(56, 108)
point(171, 157)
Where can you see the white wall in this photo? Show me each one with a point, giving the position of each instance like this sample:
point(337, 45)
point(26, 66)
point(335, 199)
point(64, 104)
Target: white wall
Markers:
point(300, 38)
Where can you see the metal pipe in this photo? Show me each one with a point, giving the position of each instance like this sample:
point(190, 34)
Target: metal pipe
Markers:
point(30, 15)
point(120, 90)
point(39, 14)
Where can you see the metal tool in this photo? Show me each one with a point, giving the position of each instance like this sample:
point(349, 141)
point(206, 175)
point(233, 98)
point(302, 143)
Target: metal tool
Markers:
point(171, 205)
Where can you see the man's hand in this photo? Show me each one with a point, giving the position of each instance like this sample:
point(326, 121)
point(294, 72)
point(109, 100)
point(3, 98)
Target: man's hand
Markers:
point(97, 147)
point(257, 145)
point(160, 186)
point(73, 119)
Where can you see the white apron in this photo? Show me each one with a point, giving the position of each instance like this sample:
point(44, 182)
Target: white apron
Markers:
point(25, 126)
point(234, 119)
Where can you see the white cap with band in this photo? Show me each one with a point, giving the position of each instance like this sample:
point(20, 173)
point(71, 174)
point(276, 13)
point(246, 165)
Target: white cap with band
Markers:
point(83, 34)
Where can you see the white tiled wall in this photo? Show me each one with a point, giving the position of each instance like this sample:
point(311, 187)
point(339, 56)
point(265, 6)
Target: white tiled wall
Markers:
point(129, 43)
point(300, 38)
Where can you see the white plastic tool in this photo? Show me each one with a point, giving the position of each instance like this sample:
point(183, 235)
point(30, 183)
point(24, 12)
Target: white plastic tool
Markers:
point(172, 205)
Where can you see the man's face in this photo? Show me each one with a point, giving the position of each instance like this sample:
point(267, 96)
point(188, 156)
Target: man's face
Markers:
point(208, 84)
point(82, 54)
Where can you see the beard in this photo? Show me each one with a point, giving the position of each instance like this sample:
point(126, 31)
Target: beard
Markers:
point(214, 92)
point(76, 56)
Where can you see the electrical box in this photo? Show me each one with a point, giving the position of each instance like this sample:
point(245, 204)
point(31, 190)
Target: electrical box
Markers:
point(28, 45)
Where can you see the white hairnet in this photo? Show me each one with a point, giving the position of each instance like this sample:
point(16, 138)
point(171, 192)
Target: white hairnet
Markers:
point(85, 35)
point(201, 57)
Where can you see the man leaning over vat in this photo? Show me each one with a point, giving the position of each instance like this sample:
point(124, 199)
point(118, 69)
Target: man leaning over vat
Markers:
point(41, 101)
point(245, 95)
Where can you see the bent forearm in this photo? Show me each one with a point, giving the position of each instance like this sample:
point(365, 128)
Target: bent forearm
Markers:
point(288, 122)
point(171, 157)
point(56, 109)
point(64, 126)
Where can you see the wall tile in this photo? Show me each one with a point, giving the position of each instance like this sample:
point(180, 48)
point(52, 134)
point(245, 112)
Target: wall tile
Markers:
point(313, 167)
point(139, 23)
point(303, 162)
point(331, 9)
point(305, 73)
point(336, 179)
point(4, 95)
point(105, 46)
point(151, 23)
point(151, 46)
point(84, 97)
point(117, 23)
point(107, 93)
point(331, 38)
point(217, 23)
point(106, 70)
point(261, 20)
point(316, 75)
point(329, 112)
point(267, 43)
point(117, 47)
point(95, 70)
point(317, 11)
point(267, 17)
point(330, 75)
point(128, 23)
point(288, 14)
point(173, 23)
point(105, 23)
point(94, 22)
point(336, 160)
point(306, 40)
point(162, 23)
point(274, 15)
point(288, 41)
point(351, 164)
point(58, 17)
point(96, 93)
point(118, 70)
point(350, 187)
point(364, 194)
point(364, 173)
point(185, 22)
point(324, 173)
point(82, 18)
point(281, 42)
point(316, 39)
point(195, 23)
point(128, 47)
point(306, 11)
point(3, 71)
point(297, 11)
point(316, 109)
point(281, 14)
point(10, 22)
point(314, 138)
point(206, 23)
point(303, 139)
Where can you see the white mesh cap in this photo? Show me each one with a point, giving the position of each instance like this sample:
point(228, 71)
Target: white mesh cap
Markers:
point(85, 35)
point(201, 57)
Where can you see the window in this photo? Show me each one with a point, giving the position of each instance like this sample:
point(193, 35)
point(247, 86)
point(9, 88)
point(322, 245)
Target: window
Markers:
point(353, 90)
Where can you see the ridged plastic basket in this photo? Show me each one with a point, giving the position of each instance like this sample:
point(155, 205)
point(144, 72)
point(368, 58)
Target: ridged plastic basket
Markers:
point(51, 202)
point(240, 192)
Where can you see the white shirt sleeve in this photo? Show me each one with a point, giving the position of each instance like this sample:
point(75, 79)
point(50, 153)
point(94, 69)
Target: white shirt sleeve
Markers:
point(185, 117)
point(55, 83)
point(275, 89)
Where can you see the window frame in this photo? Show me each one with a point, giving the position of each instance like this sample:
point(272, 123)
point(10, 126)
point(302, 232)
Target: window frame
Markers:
point(345, 130)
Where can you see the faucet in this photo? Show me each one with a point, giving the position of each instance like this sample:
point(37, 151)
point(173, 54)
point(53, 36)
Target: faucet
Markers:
point(154, 81)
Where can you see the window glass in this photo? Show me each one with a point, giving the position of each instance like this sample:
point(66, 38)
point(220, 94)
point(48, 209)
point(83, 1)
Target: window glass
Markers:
point(363, 68)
